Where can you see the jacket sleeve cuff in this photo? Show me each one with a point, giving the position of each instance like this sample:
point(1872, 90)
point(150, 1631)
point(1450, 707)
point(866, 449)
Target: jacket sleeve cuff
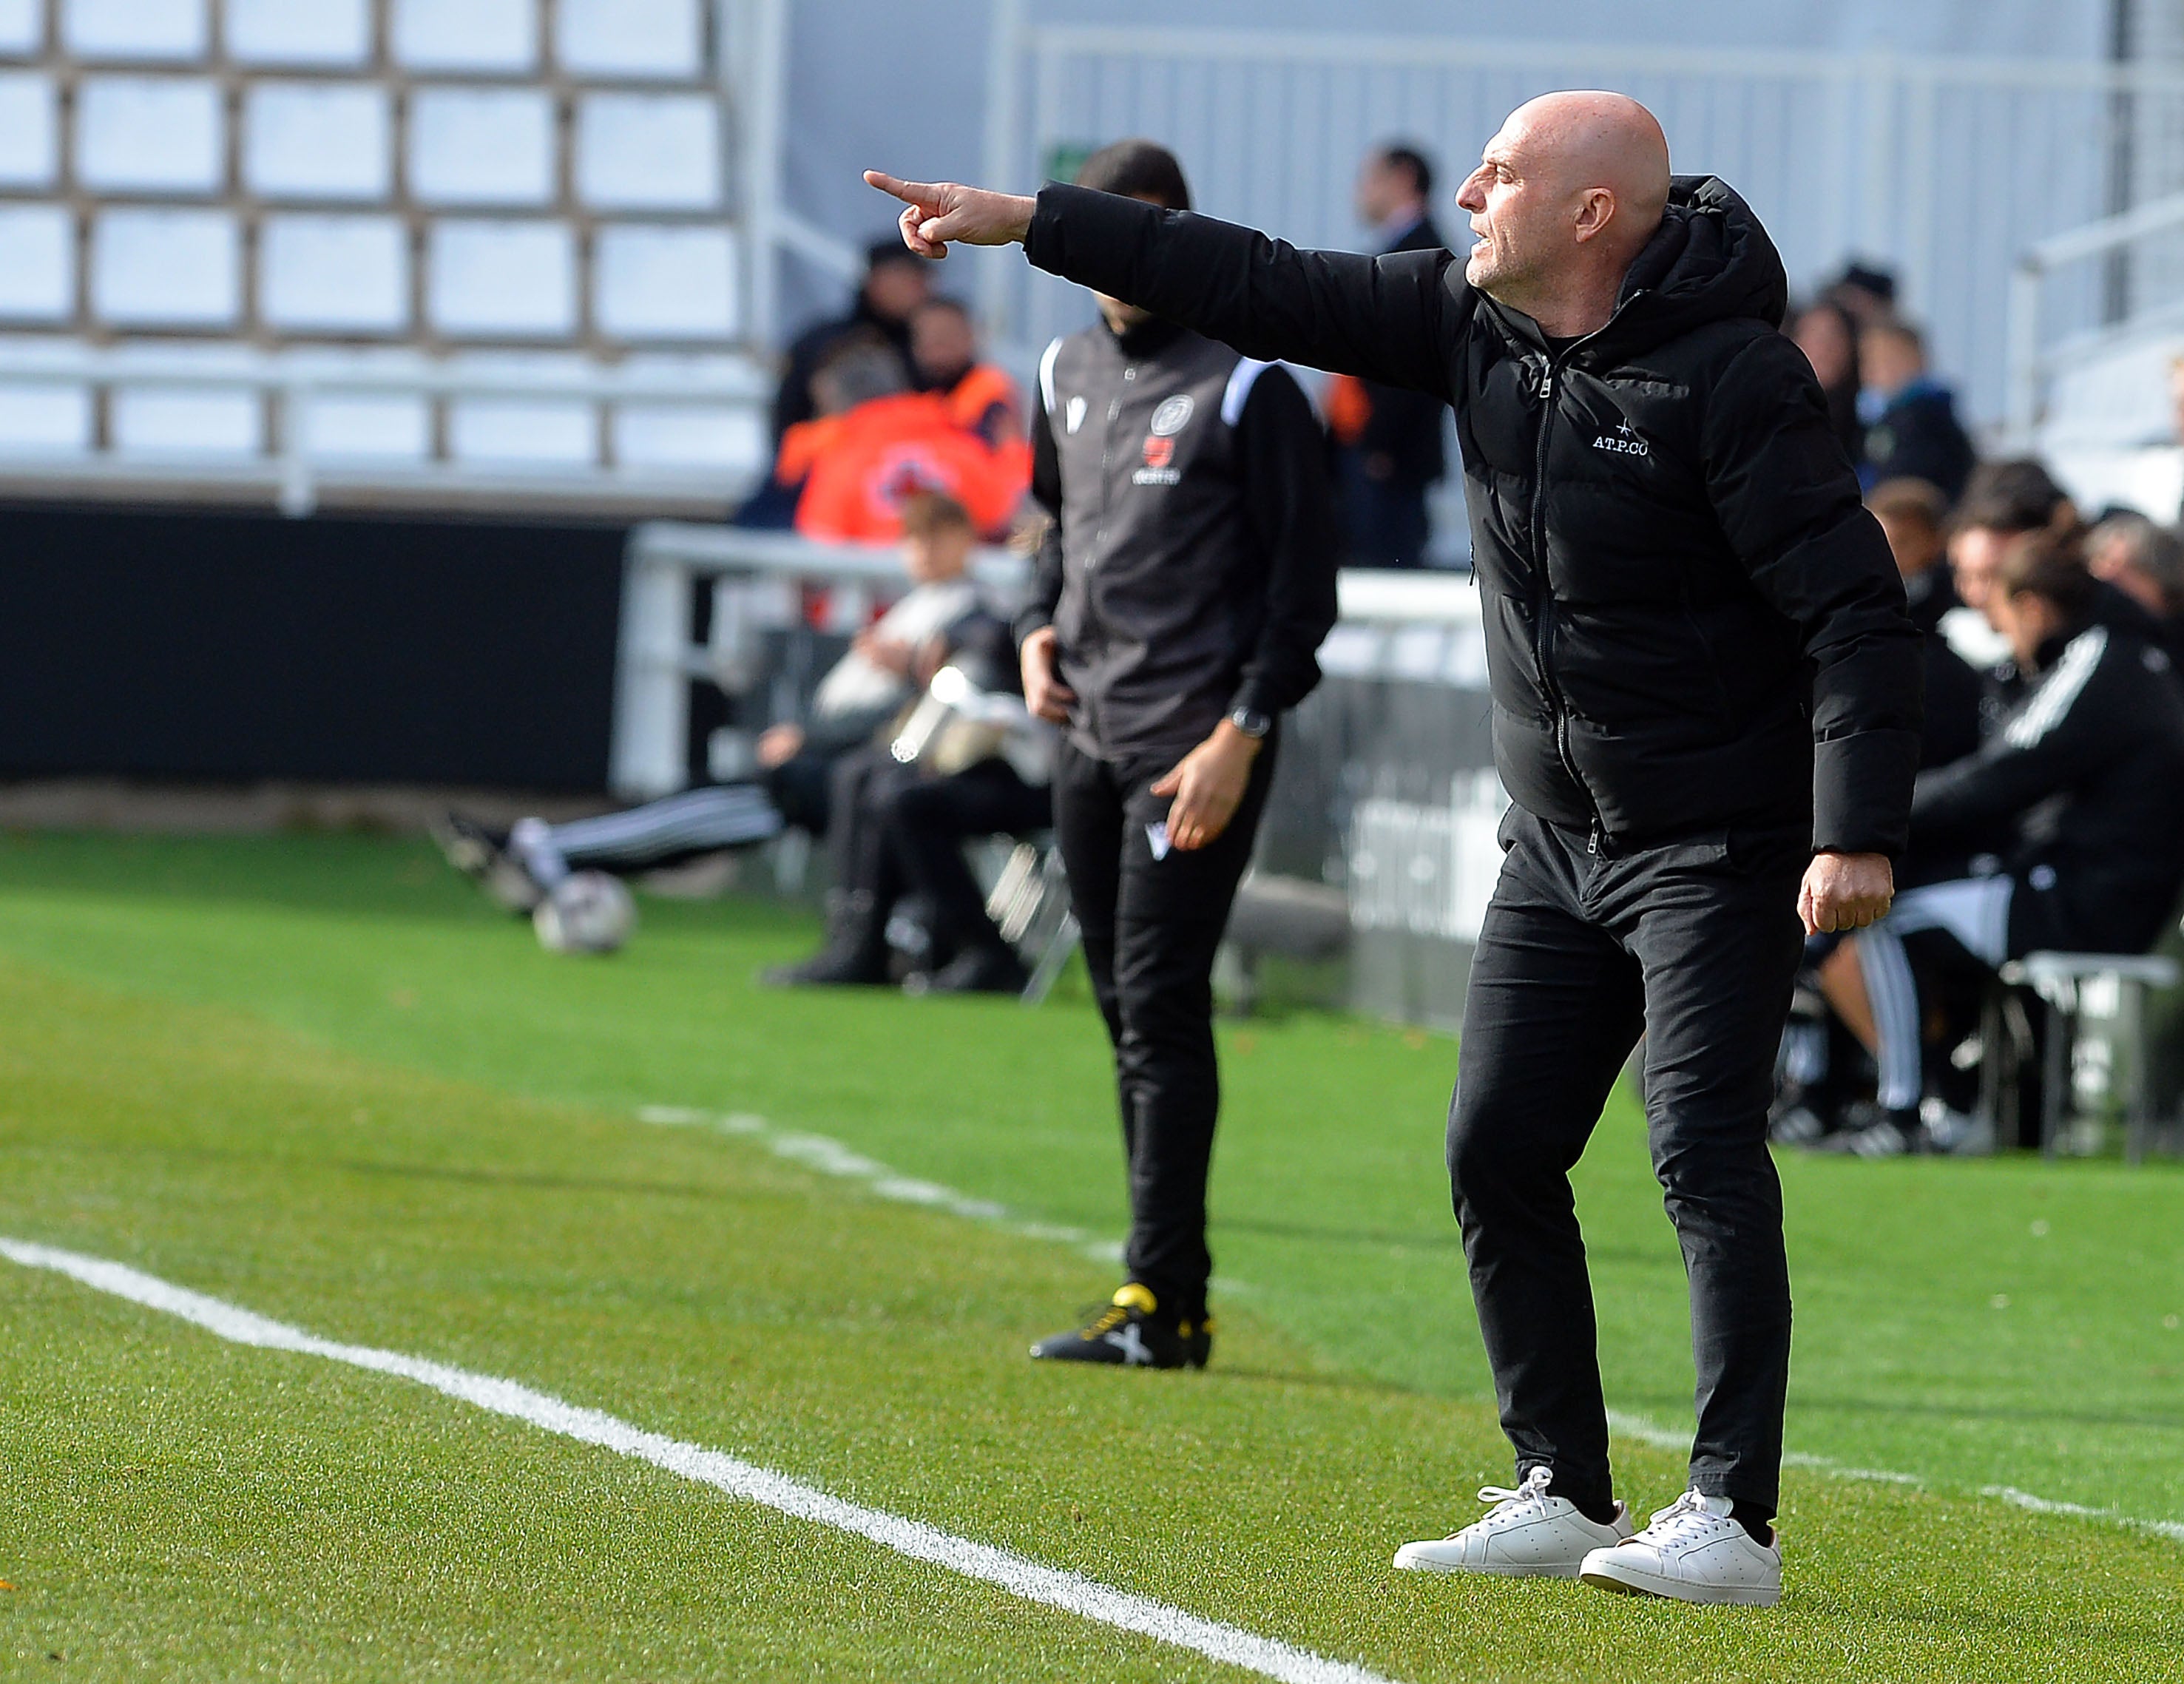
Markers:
point(1083, 236)
point(1862, 792)
point(1031, 619)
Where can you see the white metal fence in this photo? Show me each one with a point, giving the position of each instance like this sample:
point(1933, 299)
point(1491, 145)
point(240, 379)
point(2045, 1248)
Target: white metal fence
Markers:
point(1946, 169)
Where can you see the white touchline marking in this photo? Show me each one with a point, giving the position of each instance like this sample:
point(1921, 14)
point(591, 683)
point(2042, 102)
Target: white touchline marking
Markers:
point(1017, 1574)
point(2041, 1505)
point(1646, 1431)
point(831, 1157)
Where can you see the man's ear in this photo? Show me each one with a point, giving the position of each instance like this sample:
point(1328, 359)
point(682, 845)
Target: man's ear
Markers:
point(1595, 210)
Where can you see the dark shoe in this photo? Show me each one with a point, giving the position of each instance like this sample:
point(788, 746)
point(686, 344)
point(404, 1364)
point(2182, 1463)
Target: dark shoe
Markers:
point(1867, 1131)
point(980, 970)
point(482, 856)
point(1130, 1332)
point(834, 966)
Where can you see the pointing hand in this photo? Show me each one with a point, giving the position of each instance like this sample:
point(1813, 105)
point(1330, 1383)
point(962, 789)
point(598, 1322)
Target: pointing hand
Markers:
point(938, 212)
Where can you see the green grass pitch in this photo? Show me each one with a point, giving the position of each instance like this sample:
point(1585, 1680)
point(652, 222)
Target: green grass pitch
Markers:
point(317, 1077)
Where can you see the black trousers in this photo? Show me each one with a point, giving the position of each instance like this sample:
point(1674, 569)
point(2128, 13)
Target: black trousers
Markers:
point(1151, 924)
point(1698, 944)
point(895, 829)
point(927, 820)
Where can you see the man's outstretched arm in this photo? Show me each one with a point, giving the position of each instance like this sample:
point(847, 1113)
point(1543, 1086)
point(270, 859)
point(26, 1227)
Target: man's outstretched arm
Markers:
point(1391, 319)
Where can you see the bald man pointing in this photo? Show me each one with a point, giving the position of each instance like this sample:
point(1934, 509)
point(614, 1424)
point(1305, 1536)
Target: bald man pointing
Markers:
point(1705, 709)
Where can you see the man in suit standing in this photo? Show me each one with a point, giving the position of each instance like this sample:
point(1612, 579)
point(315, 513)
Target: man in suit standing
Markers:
point(1388, 438)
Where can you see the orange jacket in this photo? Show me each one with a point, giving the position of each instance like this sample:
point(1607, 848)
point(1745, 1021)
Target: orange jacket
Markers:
point(859, 468)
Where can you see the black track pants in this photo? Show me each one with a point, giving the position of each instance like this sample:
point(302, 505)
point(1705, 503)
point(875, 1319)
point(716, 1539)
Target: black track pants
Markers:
point(1150, 926)
point(928, 820)
point(1696, 944)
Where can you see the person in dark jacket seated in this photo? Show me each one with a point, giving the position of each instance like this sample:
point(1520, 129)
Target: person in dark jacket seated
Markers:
point(1913, 517)
point(2072, 813)
point(798, 760)
point(967, 760)
point(1822, 1069)
point(1911, 425)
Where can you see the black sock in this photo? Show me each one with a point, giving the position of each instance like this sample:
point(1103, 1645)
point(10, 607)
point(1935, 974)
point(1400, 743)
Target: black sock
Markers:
point(1760, 1526)
point(1599, 1513)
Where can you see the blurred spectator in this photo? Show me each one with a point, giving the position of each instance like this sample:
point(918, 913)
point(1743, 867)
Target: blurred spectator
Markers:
point(980, 397)
point(2076, 806)
point(895, 284)
point(859, 696)
point(1388, 441)
point(1827, 333)
point(1911, 425)
point(1913, 518)
point(2145, 562)
point(876, 444)
point(1868, 293)
point(902, 811)
point(2002, 501)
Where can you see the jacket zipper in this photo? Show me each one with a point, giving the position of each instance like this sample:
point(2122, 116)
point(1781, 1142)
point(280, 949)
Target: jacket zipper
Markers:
point(1543, 606)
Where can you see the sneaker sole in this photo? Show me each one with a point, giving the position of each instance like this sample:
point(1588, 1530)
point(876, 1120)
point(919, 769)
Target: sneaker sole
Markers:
point(1631, 1582)
point(1511, 1570)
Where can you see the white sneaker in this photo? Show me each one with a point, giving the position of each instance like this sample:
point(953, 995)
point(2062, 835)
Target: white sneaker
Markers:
point(1526, 1535)
point(1691, 1551)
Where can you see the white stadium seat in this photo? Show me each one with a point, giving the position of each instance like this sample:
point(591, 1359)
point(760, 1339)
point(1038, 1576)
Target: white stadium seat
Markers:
point(648, 151)
point(29, 140)
point(166, 268)
point(150, 134)
point(307, 141)
point(503, 279)
point(332, 33)
point(135, 30)
point(347, 274)
point(466, 35)
point(482, 146)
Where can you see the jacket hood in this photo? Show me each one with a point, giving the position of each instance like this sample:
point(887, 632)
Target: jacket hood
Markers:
point(1710, 261)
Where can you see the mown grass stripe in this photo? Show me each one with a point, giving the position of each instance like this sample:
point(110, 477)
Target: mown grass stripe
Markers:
point(1019, 1576)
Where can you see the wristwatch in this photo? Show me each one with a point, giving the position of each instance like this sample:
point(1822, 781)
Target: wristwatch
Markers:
point(1252, 722)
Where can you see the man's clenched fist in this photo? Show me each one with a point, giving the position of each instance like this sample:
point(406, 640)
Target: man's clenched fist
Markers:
point(1845, 892)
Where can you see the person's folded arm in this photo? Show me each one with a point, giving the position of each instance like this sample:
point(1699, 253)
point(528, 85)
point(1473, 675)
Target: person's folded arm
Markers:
point(1392, 319)
point(1788, 503)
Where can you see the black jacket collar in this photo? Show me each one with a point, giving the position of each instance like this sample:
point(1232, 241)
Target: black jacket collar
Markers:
point(1710, 260)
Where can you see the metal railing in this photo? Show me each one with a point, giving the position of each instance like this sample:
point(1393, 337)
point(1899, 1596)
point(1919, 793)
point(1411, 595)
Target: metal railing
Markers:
point(1388, 620)
point(2031, 363)
point(284, 462)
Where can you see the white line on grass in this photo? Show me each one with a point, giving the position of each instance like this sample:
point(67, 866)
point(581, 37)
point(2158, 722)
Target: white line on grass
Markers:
point(1019, 1576)
point(2041, 1505)
point(1646, 1431)
point(831, 1157)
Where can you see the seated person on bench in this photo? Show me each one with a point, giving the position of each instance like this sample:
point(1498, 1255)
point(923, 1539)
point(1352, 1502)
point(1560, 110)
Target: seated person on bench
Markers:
point(861, 696)
point(967, 762)
point(2071, 816)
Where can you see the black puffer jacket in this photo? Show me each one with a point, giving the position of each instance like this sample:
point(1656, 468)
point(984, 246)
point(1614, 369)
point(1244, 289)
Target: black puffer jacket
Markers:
point(1693, 624)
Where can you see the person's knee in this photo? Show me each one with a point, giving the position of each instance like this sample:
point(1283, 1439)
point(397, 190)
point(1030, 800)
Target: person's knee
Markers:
point(1483, 1152)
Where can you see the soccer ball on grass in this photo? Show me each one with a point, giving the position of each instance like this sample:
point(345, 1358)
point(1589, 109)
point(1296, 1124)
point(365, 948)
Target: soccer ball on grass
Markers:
point(587, 912)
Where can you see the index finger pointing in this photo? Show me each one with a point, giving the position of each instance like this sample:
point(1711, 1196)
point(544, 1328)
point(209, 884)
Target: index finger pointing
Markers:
point(909, 193)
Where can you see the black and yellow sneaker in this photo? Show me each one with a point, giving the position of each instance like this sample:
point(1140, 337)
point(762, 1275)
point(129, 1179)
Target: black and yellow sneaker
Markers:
point(1130, 1331)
